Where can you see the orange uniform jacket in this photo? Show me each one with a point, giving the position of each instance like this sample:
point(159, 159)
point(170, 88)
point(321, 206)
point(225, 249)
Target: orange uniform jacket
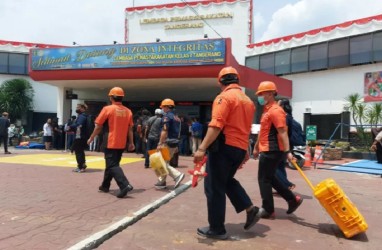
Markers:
point(117, 119)
point(233, 112)
point(273, 117)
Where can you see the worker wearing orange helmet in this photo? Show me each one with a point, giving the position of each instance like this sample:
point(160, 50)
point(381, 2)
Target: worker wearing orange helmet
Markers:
point(169, 137)
point(272, 147)
point(226, 141)
point(117, 122)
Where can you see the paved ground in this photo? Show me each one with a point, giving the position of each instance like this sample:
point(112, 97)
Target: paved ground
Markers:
point(46, 206)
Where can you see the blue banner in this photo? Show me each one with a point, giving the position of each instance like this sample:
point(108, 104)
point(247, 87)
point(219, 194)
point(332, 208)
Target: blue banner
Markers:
point(201, 52)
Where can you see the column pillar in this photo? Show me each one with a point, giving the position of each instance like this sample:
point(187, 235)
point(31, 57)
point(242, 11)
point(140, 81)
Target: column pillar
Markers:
point(64, 105)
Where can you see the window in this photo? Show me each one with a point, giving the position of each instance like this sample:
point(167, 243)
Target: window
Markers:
point(361, 49)
point(3, 62)
point(267, 63)
point(377, 46)
point(253, 62)
point(17, 64)
point(27, 64)
point(318, 56)
point(343, 52)
point(339, 53)
point(299, 59)
point(282, 62)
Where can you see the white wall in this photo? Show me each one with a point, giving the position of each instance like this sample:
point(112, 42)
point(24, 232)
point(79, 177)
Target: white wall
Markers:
point(237, 27)
point(324, 91)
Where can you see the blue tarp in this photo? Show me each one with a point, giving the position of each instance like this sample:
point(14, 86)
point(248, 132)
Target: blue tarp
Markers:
point(32, 145)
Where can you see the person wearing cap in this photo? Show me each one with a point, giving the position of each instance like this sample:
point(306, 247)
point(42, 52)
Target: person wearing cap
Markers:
point(4, 125)
point(116, 121)
point(272, 147)
point(227, 140)
point(169, 138)
point(152, 133)
point(79, 144)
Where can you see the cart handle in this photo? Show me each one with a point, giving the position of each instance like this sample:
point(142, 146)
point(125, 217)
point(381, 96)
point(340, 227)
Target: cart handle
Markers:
point(303, 175)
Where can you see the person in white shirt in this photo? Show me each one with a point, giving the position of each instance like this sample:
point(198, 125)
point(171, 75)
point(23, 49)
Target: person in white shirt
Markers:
point(11, 134)
point(47, 136)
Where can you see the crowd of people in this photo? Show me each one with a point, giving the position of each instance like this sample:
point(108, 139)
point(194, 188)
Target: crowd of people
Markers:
point(224, 140)
point(191, 132)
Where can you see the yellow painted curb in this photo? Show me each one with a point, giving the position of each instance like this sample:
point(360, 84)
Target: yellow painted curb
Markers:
point(61, 160)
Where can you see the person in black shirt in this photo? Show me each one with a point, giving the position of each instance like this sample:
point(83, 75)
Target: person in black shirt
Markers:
point(80, 141)
point(4, 124)
point(184, 144)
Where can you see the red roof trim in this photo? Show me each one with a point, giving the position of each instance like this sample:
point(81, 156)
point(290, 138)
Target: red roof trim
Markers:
point(30, 45)
point(179, 5)
point(316, 31)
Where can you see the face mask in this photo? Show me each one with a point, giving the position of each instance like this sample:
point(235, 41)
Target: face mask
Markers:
point(261, 100)
point(78, 111)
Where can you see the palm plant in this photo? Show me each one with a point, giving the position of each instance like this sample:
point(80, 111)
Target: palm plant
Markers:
point(16, 97)
point(370, 116)
point(352, 102)
point(377, 112)
point(362, 110)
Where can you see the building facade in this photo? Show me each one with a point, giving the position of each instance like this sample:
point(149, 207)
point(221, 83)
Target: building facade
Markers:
point(325, 65)
point(316, 69)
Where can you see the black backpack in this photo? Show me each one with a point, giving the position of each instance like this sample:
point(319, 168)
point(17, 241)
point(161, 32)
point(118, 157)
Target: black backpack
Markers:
point(298, 137)
point(90, 125)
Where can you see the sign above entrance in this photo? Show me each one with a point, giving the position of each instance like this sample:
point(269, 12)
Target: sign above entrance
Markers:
point(200, 52)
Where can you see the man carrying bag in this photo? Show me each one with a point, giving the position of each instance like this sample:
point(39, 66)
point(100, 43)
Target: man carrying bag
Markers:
point(169, 138)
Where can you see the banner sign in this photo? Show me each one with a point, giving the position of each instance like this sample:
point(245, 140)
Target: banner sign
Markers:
point(201, 52)
point(311, 132)
point(373, 87)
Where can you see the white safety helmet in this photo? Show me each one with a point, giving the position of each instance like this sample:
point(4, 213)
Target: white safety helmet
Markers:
point(158, 112)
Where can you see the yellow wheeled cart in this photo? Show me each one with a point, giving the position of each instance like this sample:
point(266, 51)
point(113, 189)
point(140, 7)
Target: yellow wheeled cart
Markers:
point(337, 205)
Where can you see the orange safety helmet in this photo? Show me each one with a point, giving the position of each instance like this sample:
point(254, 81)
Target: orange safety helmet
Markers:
point(266, 86)
point(167, 102)
point(226, 71)
point(116, 91)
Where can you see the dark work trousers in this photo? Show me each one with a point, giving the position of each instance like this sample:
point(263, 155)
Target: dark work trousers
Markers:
point(113, 170)
point(281, 174)
point(184, 143)
point(79, 146)
point(268, 163)
point(174, 160)
point(151, 144)
point(4, 139)
point(378, 152)
point(221, 168)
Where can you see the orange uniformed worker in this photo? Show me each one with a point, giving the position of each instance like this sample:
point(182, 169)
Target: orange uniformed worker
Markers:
point(117, 123)
point(227, 142)
point(169, 132)
point(272, 147)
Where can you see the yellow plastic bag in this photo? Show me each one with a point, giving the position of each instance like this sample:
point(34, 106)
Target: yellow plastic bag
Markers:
point(158, 164)
point(165, 153)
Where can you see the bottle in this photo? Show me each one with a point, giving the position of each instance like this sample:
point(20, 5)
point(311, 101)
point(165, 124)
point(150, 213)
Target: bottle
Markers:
point(78, 132)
